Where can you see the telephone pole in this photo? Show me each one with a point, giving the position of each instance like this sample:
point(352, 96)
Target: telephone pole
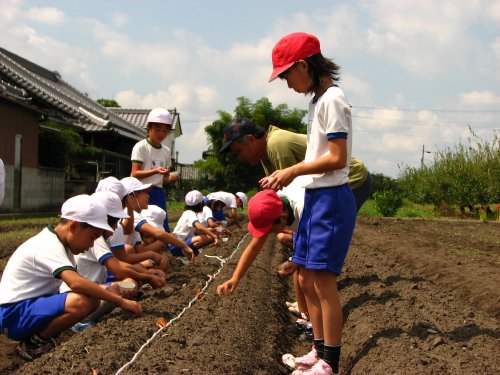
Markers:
point(422, 159)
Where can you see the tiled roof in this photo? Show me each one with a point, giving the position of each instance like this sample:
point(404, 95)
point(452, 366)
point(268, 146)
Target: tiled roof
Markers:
point(138, 117)
point(47, 90)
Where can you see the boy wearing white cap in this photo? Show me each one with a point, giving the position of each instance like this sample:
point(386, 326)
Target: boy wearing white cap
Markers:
point(138, 198)
point(31, 308)
point(151, 160)
point(93, 263)
point(188, 226)
point(231, 201)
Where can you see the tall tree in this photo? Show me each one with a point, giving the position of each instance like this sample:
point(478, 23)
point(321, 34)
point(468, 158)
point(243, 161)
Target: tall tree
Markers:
point(108, 102)
point(228, 173)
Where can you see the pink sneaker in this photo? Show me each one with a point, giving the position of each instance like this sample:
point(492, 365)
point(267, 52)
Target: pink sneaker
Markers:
point(300, 363)
point(306, 361)
point(320, 368)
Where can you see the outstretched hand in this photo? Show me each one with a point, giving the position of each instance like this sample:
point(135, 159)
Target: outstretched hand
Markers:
point(287, 268)
point(227, 288)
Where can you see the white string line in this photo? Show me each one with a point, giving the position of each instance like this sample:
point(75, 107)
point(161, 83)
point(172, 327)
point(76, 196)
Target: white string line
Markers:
point(210, 279)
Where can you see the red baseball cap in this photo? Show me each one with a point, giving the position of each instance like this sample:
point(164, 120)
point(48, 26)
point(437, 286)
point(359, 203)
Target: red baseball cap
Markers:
point(291, 48)
point(264, 209)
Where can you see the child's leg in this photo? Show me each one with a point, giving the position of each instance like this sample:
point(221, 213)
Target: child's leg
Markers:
point(306, 281)
point(299, 294)
point(76, 308)
point(326, 290)
point(200, 241)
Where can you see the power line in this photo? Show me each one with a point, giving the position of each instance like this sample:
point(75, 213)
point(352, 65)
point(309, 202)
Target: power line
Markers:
point(433, 110)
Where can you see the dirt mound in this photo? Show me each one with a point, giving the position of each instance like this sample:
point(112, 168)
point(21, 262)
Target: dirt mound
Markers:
point(419, 297)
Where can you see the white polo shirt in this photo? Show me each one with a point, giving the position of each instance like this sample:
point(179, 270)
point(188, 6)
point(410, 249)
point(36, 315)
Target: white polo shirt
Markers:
point(90, 263)
point(33, 269)
point(185, 226)
point(205, 215)
point(151, 157)
point(294, 192)
point(329, 116)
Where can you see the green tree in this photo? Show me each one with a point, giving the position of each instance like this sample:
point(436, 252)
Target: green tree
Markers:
point(108, 102)
point(64, 148)
point(226, 171)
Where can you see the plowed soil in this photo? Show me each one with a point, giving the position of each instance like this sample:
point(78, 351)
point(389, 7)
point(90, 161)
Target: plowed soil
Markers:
point(419, 297)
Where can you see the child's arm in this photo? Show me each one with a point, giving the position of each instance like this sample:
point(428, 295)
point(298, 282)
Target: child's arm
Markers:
point(234, 215)
point(166, 238)
point(246, 260)
point(207, 232)
point(140, 173)
point(336, 159)
point(122, 255)
point(123, 270)
point(81, 285)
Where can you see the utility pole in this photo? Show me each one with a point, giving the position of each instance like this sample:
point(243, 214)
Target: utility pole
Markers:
point(422, 159)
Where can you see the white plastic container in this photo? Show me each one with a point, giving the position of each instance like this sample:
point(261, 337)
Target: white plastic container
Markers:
point(126, 286)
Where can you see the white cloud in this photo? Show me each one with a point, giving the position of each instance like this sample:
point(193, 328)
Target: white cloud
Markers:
point(480, 98)
point(48, 16)
point(119, 19)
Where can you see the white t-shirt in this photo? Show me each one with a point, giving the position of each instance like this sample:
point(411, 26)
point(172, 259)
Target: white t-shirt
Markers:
point(134, 237)
point(294, 192)
point(227, 198)
point(328, 117)
point(90, 263)
point(151, 157)
point(33, 269)
point(185, 226)
point(205, 215)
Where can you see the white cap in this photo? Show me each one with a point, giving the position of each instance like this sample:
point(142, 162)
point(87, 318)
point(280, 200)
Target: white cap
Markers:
point(154, 215)
point(243, 198)
point(112, 184)
point(160, 115)
point(112, 202)
point(132, 184)
point(85, 209)
point(193, 198)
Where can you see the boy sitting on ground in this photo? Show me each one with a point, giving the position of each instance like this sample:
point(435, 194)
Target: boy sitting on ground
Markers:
point(31, 308)
point(94, 263)
point(188, 226)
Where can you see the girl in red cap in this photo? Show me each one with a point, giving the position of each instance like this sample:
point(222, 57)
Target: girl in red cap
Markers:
point(327, 223)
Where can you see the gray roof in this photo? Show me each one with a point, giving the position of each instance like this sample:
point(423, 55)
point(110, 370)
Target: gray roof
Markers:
point(26, 81)
point(138, 117)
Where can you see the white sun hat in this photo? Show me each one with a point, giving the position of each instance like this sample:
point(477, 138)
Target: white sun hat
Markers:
point(85, 209)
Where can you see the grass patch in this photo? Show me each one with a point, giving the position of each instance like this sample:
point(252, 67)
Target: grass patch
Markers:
point(409, 209)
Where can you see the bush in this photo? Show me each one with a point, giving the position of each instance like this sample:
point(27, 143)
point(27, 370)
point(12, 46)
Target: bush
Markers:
point(388, 202)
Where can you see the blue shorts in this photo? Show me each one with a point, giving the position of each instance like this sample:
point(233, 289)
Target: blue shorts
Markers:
point(21, 320)
point(325, 228)
point(177, 251)
point(219, 215)
point(157, 197)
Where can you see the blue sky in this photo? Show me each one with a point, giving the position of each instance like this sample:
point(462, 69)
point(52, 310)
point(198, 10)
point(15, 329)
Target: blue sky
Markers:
point(416, 72)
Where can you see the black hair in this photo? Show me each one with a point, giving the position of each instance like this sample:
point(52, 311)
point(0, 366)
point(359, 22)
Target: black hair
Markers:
point(320, 67)
point(196, 208)
point(112, 220)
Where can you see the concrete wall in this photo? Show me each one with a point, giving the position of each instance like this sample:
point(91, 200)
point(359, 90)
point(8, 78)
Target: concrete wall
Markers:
point(42, 189)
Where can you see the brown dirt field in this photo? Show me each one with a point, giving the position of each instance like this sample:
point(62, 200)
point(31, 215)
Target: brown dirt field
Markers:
point(419, 297)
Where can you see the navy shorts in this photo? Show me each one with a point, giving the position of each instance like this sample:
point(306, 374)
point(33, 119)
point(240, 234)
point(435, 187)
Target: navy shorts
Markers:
point(21, 320)
point(219, 215)
point(325, 228)
point(177, 251)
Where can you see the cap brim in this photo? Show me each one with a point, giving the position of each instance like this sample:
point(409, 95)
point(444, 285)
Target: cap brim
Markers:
point(259, 232)
point(119, 215)
point(226, 145)
point(277, 71)
point(106, 227)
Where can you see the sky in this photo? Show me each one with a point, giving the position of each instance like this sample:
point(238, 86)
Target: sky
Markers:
point(420, 75)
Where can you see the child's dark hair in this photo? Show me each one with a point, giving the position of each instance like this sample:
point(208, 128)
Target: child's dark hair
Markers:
point(319, 67)
point(82, 223)
point(196, 208)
